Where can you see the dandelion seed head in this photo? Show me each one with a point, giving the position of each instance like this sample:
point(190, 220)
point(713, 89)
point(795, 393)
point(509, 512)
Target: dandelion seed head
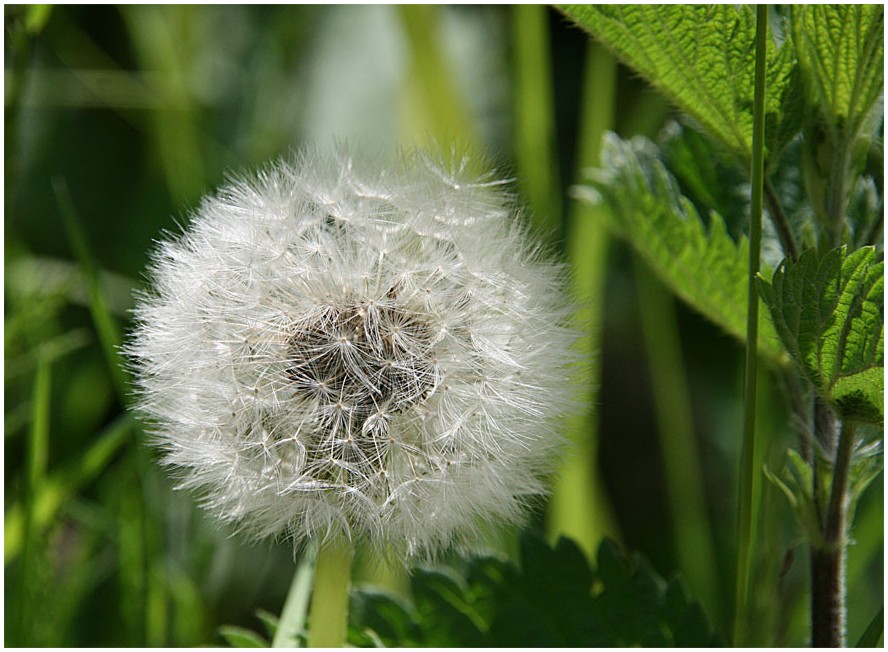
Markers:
point(334, 349)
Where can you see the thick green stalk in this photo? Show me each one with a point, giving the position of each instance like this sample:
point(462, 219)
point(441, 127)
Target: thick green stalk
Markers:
point(329, 600)
point(747, 470)
point(534, 116)
point(682, 465)
point(435, 106)
point(579, 507)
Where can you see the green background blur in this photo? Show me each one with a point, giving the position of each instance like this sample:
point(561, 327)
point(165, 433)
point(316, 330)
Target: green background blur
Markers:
point(117, 121)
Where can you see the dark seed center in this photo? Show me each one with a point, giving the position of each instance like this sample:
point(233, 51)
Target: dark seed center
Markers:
point(366, 360)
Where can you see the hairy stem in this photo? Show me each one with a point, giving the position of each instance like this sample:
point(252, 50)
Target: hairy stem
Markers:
point(329, 601)
point(747, 456)
point(828, 558)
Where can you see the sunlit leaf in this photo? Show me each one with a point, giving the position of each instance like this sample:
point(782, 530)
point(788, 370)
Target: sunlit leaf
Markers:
point(829, 314)
point(841, 50)
point(702, 265)
point(702, 58)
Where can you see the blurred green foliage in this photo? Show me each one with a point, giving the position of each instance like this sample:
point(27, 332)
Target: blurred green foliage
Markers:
point(118, 119)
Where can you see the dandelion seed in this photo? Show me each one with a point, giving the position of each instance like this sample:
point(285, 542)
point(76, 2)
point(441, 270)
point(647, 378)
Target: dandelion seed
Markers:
point(328, 351)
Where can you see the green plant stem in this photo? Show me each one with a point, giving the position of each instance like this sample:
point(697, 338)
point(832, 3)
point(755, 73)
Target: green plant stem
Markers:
point(162, 40)
point(292, 620)
point(56, 489)
point(534, 116)
point(828, 558)
point(329, 600)
point(436, 105)
point(781, 222)
point(37, 456)
point(579, 507)
point(747, 457)
point(106, 326)
point(836, 194)
point(684, 480)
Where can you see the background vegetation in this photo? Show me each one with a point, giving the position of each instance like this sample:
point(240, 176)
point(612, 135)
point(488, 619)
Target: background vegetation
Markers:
point(118, 119)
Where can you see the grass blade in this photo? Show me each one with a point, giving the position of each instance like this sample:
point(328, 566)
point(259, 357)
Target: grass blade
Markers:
point(56, 489)
point(874, 632)
point(747, 459)
point(106, 325)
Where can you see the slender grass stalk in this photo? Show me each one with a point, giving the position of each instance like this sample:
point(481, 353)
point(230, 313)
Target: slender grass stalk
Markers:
point(38, 442)
point(292, 620)
point(683, 467)
point(874, 632)
point(106, 326)
point(132, 555)
point(144, 589)
point(163, 38)
point(747, 459)
point(534, 116)
point(20, 37)
point(579, 507)
point(436, 107)
point(37, 456)
point(55, 490)
point(329, 600)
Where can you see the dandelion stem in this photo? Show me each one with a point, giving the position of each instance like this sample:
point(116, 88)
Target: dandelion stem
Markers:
point(292, 620)
point(329, 601)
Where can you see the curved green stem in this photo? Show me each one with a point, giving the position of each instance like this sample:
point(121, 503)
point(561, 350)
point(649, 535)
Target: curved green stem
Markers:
point(292, 620)
point(747, 470)
point(329, 601)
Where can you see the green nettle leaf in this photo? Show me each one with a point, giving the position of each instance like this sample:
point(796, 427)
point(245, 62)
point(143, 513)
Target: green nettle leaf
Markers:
point(554, 599)
point(840, 50)
point(447, 611)
point(829, 314)
point(381, 619)
point(702, 58)
point(705, 267)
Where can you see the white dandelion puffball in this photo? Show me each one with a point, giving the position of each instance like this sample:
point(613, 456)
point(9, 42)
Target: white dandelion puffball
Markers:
point(333, 349)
